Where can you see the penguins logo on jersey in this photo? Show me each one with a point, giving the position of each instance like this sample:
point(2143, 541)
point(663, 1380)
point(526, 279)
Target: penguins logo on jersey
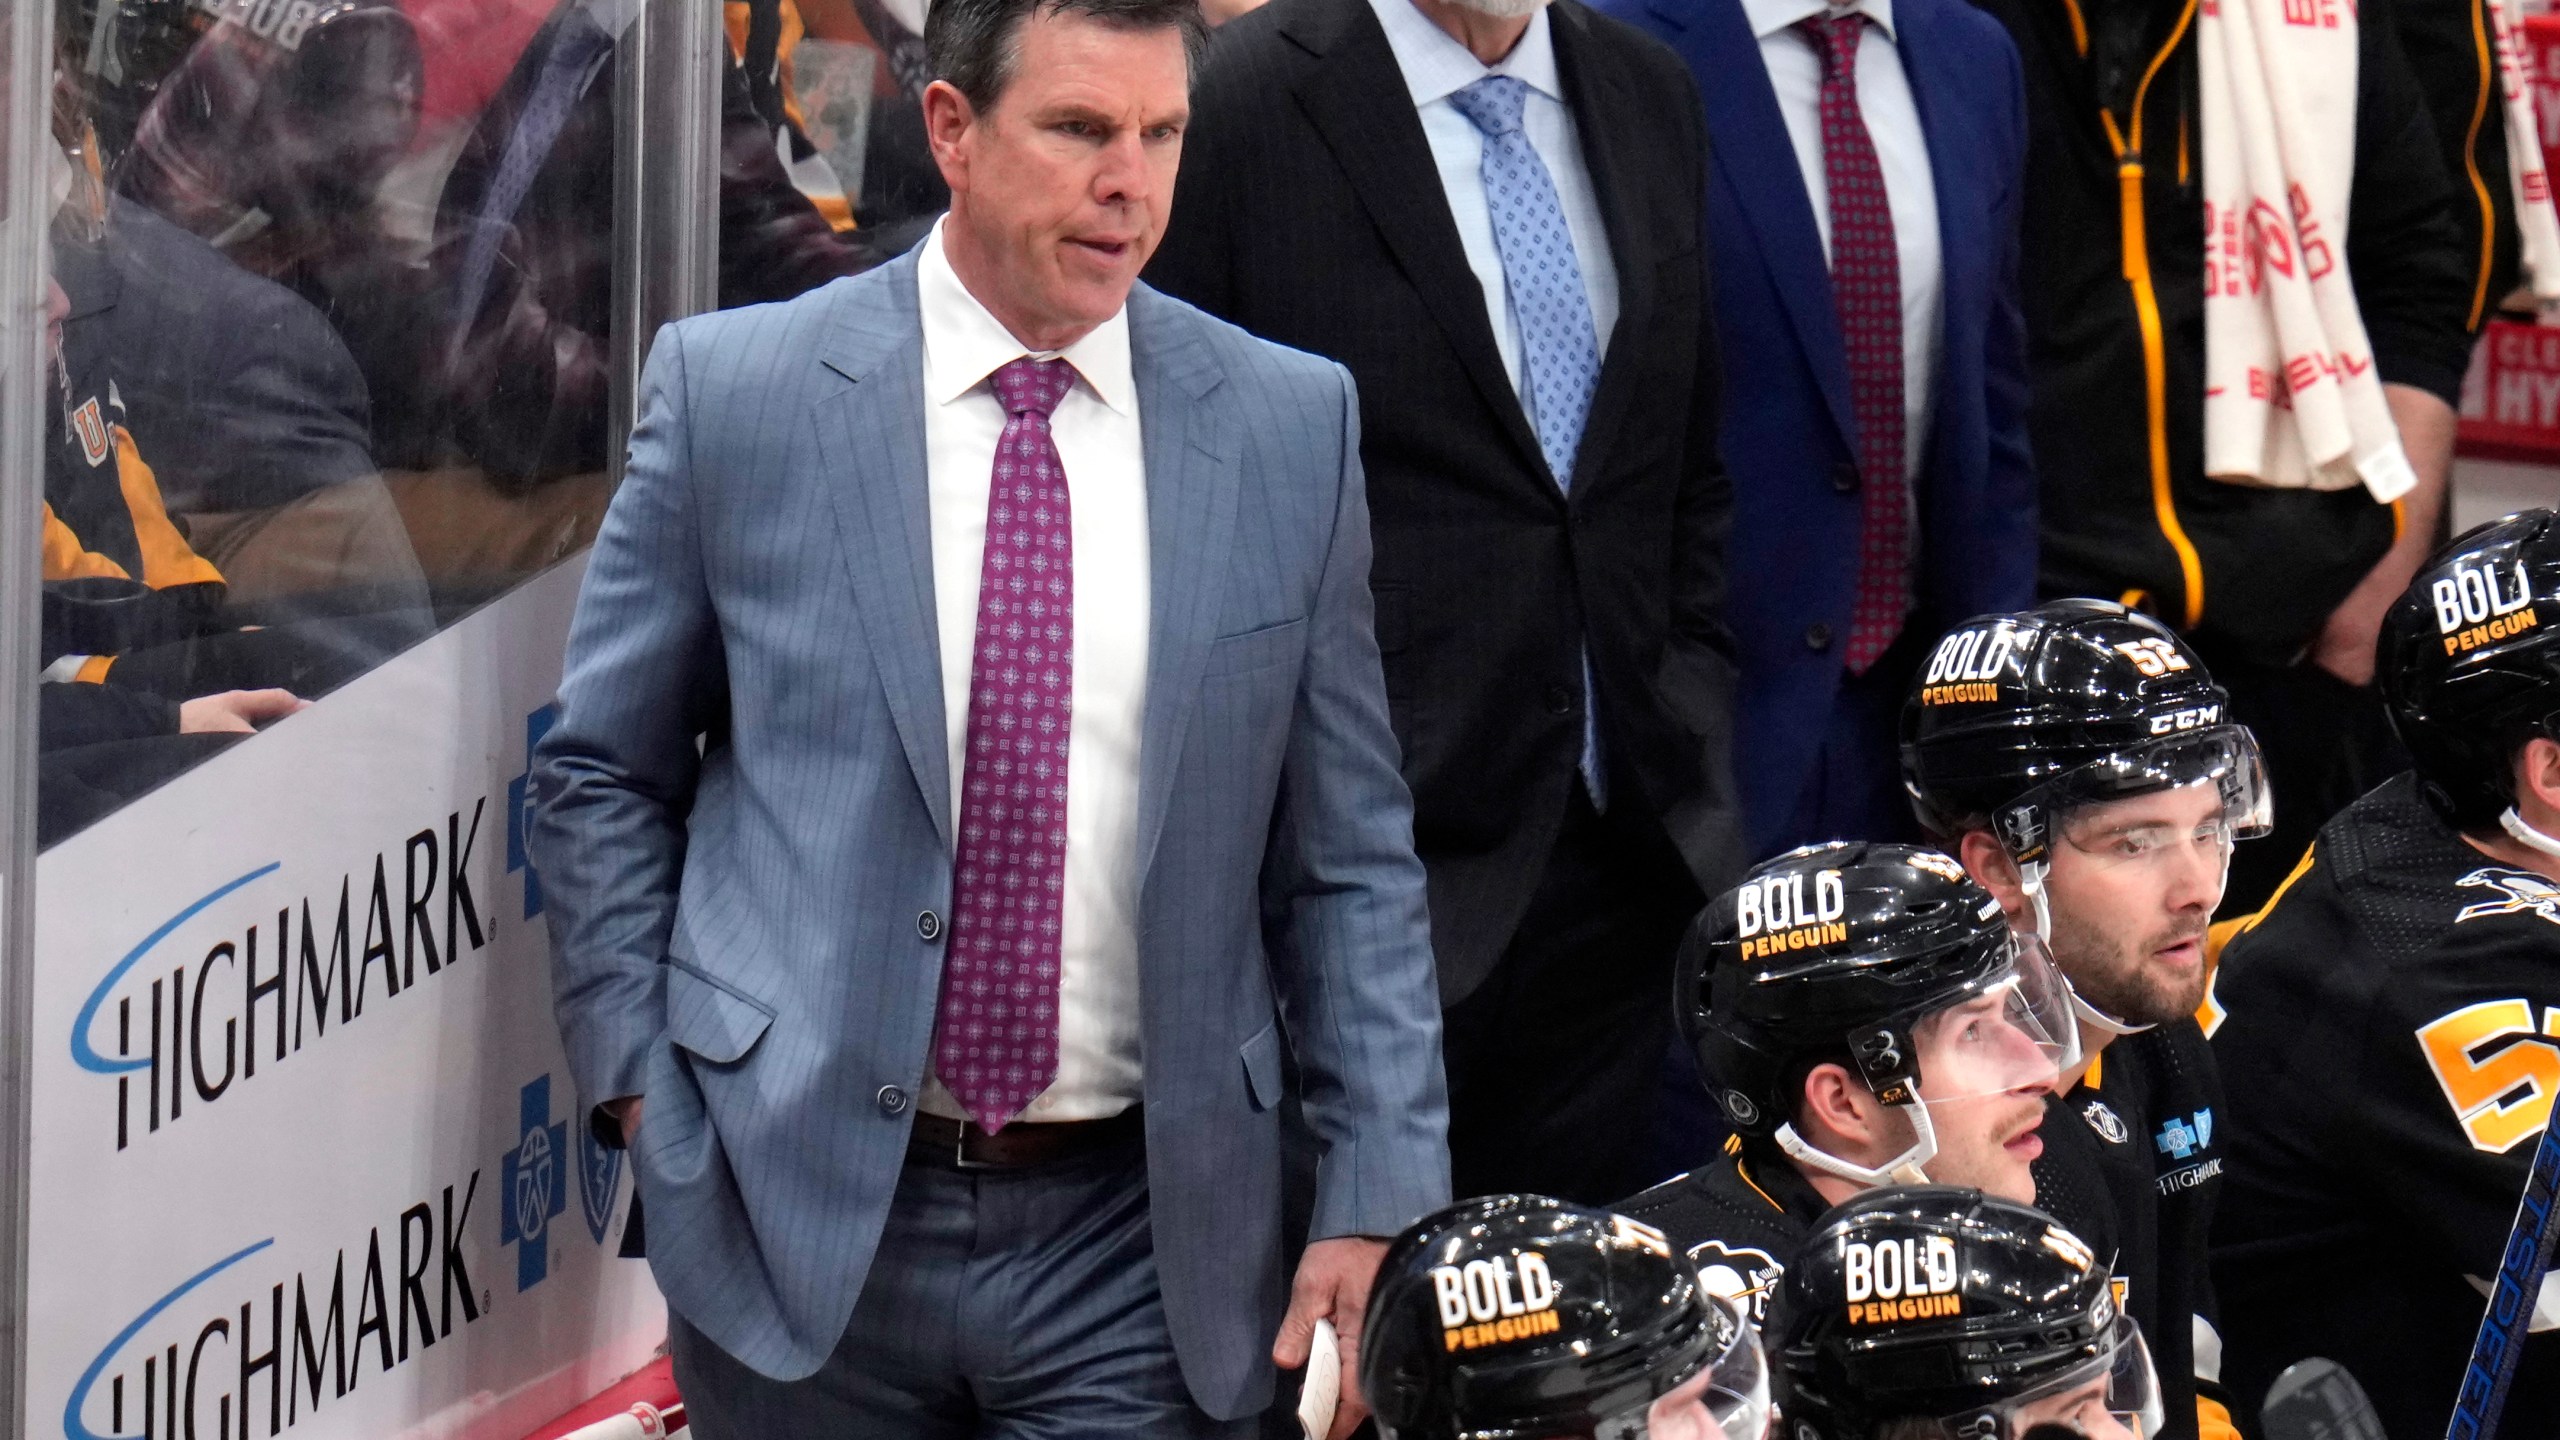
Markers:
point(1738, 1273)
point(2523, 894)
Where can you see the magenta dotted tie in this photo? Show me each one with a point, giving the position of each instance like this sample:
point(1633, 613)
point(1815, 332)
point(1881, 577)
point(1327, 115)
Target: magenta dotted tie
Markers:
point(997, 1042)
point(1866, 290)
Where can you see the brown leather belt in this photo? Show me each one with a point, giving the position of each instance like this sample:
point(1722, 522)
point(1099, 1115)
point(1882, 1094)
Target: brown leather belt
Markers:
point(961, 1145)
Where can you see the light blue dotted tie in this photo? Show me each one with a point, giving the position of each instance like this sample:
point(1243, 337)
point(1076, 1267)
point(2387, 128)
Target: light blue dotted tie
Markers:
point(1559, 344)
point(1539, 268)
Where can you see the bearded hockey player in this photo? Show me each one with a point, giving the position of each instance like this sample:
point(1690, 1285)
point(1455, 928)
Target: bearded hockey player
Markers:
point(2390, 1025)
point(2081, 762)
point(1864, 1016)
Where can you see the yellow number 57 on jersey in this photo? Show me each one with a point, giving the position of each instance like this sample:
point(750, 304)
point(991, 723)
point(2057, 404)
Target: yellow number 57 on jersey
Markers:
point(2503, 1097)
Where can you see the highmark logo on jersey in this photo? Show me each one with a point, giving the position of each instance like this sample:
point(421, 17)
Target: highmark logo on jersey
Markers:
point(520, 801)
point(245, 1337)
point(215, 992)
point(2185, 1139)
point(533, 1185)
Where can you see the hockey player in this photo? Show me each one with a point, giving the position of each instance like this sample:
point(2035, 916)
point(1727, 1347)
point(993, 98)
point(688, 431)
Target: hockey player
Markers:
point(2390, 1031)
point(1517, 1317)
point(1946, 1314)
point(2081, 762)
point(1865, 1016)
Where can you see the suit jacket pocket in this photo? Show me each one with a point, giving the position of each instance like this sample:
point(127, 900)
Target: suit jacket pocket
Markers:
point(708, 1019)
point(1262, 1066)
point(1254, 649)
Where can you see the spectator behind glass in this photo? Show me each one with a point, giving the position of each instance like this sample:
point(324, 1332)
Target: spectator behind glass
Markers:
point(118, 576)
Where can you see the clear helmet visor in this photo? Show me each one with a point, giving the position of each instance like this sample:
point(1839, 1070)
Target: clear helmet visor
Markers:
point(2009, 1032)
point(2222, 757)
point(2013, 1031)
point(1725, 1400)
point(2115, 1396)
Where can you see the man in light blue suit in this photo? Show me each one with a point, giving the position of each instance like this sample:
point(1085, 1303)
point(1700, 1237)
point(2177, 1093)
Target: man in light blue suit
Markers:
point(973, 773)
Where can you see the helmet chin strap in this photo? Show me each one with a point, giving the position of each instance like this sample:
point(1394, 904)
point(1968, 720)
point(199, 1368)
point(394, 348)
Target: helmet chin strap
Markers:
point(1903, 1169)
point(2524, 833)
point(2031, 880)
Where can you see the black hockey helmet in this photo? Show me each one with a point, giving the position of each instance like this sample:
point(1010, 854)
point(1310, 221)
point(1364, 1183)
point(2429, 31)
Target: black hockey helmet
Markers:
point(2470, 666)
point(1841, 953)
point(1517, 1317)
point(1928, 1306)
point(2018, 718)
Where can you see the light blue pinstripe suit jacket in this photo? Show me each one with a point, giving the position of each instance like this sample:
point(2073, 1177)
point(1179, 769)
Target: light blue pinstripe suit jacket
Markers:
point(735, 930)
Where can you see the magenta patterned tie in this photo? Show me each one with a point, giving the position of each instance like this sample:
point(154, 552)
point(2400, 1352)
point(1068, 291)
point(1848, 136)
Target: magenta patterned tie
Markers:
point(1866, 289)
point(997, 1042)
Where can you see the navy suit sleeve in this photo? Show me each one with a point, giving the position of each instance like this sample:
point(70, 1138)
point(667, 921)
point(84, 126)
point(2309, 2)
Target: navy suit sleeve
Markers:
point(1343, 903)
point(2009, 490)
point(617, 769)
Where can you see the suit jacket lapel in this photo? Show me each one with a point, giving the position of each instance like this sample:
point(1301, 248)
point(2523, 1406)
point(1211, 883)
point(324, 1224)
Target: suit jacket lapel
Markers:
point(870, 434)
point(1189, 445)
point(1596, 93)
point(1961, 277)
point(1358, 101)
point(1755, 157)
point(1191, 518)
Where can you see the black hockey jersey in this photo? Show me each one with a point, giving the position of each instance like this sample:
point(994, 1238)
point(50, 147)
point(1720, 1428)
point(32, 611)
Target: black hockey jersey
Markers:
point(1739, 1220)
point(2389, 1031)
point(2133, 1160)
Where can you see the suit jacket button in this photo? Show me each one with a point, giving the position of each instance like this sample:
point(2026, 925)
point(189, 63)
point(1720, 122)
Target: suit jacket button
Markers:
point(1817, 636)
point(893, 1101)
point(1844, 478)
point(1559, 699)
point(928, 926)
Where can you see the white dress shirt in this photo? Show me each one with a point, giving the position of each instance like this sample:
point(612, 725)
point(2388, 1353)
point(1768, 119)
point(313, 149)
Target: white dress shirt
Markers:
point(1902, 152)
point(1096, 430)
point(1436, 67)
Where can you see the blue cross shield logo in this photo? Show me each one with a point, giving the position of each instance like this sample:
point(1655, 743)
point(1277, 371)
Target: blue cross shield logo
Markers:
point(531, 1187)
point(599, 1181)
point(520, 810)
point(2181, 1138)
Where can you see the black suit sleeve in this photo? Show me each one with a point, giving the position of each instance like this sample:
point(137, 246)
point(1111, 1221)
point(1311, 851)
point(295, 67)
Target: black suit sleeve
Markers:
point(1193, 260)
point(2403, 247)
point(1698, 677)
point(72, 713)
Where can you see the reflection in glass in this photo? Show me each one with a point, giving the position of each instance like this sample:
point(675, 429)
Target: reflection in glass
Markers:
point(334, 283)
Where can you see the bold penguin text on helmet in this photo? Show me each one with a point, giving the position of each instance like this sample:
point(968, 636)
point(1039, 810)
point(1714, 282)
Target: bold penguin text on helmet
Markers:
point(1495, 1301)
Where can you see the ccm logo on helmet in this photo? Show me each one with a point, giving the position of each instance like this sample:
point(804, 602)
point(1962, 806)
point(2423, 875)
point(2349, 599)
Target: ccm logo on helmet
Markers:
point(2195, 719)
point(2473, 608)
point(1908, 1279)
point(1496, 1301)
point(1965, 665)
point(1777, 906)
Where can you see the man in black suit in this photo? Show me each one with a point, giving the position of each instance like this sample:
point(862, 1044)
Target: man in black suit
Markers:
point(1488, 210)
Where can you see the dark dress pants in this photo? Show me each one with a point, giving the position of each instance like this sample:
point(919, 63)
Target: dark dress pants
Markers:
point(1011, 1303)
point(1554, 1061)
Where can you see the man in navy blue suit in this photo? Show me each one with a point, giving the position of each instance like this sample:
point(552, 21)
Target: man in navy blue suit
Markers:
point(1862, 214)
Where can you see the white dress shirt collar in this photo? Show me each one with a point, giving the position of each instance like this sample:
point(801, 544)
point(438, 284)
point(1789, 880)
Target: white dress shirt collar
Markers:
point(1768, 17)
point(964, 343)
point(1436, 66)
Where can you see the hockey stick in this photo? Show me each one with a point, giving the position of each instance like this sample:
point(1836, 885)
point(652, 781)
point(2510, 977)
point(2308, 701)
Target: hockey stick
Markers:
point(2530, 1241)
